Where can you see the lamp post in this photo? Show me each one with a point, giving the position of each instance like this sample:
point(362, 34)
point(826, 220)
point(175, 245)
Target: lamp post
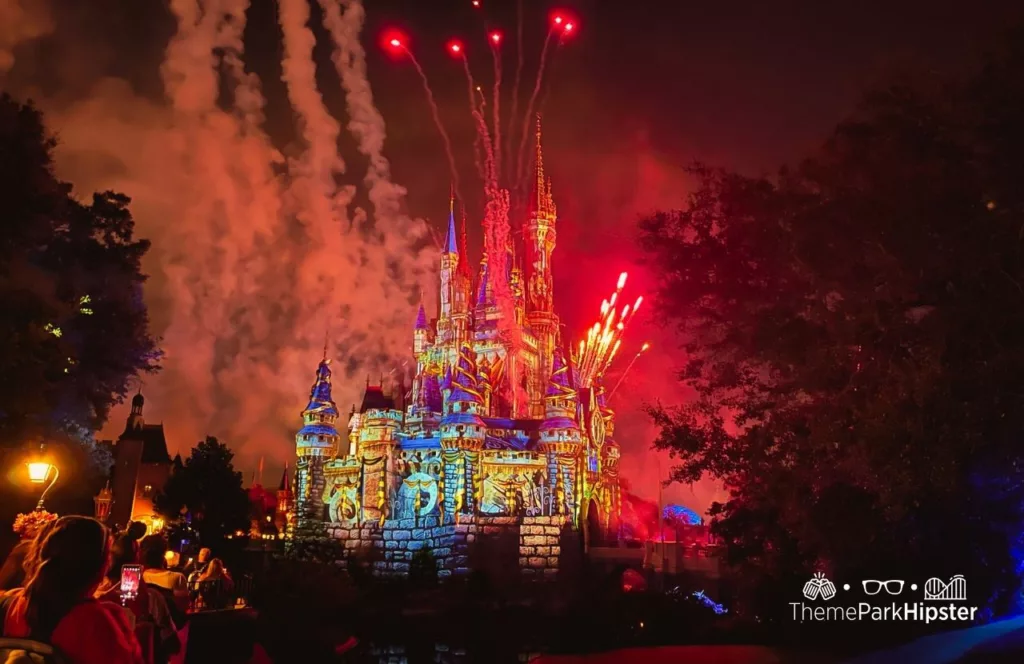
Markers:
point(38, 473)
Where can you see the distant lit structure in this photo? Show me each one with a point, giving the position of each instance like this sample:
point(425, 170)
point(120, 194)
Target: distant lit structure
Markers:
point(493, 434)
point(141, 468)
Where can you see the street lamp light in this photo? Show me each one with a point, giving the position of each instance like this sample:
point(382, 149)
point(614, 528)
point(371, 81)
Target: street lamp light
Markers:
point(38, 473)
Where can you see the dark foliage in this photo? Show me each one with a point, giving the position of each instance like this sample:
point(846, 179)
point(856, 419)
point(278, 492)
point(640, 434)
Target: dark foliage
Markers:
point(854, 334)
point(75, 329)
point(208, 487)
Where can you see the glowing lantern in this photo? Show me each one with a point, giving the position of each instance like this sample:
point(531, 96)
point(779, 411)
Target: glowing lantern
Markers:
point(38, 473)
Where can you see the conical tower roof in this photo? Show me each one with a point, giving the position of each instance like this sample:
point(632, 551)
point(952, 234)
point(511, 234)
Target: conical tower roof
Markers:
point(560, 384)
point(464, 385)
point(320, 400)
point(421, 319)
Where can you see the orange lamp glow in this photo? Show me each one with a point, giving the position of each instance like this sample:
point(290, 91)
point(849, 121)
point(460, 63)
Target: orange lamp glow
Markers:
point(38, 471)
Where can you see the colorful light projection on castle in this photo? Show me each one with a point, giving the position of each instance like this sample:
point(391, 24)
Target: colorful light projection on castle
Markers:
point(492, 424)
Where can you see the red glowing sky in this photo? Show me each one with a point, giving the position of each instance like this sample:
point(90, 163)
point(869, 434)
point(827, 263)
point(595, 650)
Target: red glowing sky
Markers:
point(635, 94)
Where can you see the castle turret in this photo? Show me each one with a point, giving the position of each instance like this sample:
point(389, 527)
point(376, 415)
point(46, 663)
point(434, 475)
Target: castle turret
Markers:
point(461, 425)
point(540, 244)
point(317, 439)
point(463, 432)
point(420, 332)
point(559, 436)
point(319, 435)
point(449, 277)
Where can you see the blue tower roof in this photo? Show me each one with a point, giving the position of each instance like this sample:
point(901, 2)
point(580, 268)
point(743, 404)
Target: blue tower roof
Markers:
point(432, 393)
point(464, 387)
point(481, 291)
point(421, 319)
point(561, 382)
point(450, 243)
point(320, 399)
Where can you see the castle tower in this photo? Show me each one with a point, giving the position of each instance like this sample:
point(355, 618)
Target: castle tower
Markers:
point(560, 437)
point(135, 421)
point(449, 278)
point(284, 502)
point(420, 333)
point(379, 423)
point(317, 439)
point(540, 244)
point(463, 432)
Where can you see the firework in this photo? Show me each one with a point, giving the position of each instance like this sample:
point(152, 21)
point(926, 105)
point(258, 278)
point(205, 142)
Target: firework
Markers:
point(596, 352)
point(494, 38)
point(643, 349)
point(516, 81)
point(561, 25)
point(398, 43)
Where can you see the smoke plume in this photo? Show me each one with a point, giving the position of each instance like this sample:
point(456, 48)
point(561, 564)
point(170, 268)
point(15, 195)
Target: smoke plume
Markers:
point(254, 256)
point(20, 21)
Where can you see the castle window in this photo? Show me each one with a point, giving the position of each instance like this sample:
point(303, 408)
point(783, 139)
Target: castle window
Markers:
point(147, 490)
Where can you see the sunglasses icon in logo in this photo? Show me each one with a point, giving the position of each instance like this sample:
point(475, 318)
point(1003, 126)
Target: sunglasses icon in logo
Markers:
point(873, 587)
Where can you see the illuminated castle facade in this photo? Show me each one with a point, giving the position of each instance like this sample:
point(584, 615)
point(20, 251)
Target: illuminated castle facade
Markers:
point(493, 435)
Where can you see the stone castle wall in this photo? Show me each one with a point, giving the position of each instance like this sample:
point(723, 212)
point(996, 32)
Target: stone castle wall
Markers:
point(533, 547)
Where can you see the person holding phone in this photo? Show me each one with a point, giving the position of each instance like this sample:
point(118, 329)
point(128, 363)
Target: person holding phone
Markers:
point(124, 584)
point(57, 604)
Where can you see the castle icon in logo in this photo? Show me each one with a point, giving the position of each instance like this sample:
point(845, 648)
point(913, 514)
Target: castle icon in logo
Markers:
point(819, 586)
point(954, 591)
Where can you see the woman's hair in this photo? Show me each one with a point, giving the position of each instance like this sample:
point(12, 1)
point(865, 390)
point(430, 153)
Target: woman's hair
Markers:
point(152, 550)
point(32, 557)
point(70, 559)
point(121, 554)
point(214, 570)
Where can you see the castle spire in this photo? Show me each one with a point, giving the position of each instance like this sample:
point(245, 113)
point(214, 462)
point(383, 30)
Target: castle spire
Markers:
point(421, 318)
point(542, 202)
point(450, 243)
point(464, 242)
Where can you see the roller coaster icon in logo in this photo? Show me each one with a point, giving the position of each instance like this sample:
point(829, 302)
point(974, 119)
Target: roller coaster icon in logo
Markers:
point(936, 590)
point(819, 586)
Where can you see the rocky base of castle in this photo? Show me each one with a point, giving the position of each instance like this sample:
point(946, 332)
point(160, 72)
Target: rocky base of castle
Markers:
point(537, 547)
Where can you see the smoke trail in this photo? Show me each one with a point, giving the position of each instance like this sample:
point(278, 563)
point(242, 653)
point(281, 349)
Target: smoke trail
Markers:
point(245, 252)
point(476, 112)
point(522, 163)
point(437, 120)
point(496, 55)
point(21, 21)
point(515, 88)
point(367, 125)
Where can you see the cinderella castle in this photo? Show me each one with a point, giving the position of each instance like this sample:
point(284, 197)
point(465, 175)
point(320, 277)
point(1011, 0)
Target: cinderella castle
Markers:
point(492, 438)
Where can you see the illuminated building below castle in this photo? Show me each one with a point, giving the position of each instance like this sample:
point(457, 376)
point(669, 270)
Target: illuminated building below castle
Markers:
point(492, 435)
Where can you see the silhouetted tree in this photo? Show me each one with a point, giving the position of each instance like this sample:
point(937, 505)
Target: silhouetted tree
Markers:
point(74, 328)
point(210, 489)
point(854, 333)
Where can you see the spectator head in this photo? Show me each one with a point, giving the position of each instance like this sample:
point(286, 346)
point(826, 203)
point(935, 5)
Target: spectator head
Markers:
point(121, 553)
point(136, 531)
point(153, 552)
point(71, 559)
point(204, 555)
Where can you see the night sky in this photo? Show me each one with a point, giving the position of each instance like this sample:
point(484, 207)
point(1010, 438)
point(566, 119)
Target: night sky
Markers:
point(642, 90)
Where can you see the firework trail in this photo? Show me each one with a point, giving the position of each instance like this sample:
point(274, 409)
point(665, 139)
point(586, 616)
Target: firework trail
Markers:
point(367, 125)
point(435, 113)
point(521, 161)
point(495, 41)
point(596, 353)
point(516, 81)
point(643, 349)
